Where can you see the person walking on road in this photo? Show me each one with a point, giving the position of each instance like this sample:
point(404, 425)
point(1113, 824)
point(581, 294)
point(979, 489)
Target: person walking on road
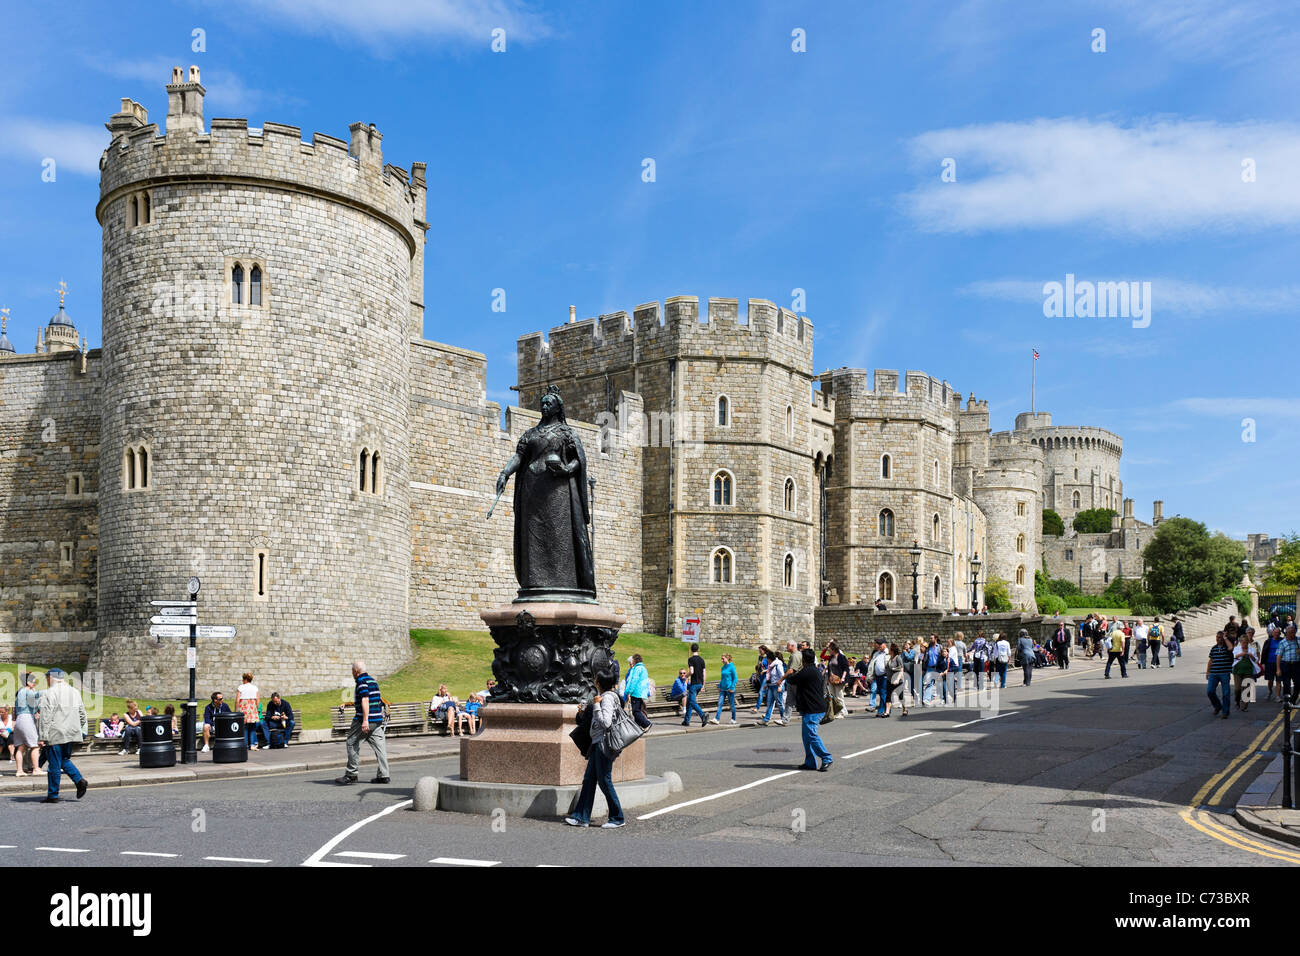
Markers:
point(837, 672)
point(600, 765)
point(637, 688)
point(1218, 673)
point(27, 707)
point(63, 723)
point(1174, 644)
point(1116, 652)
point(1025, 644)
point(367, 725)
point(775, 694)
point(1245, 667)
point(696, 665)
point(1140, 637)
point(878, 669)
point(894, 673)
point(1288, 664)
point(1001, 658)
point(810, 698)
point(1061, 646)
point(979, 652)
point(726, 689)
point(1155, 637)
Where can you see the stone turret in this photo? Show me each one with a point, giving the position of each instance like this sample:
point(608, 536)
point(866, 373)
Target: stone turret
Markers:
point(6, 347)
point(61, 335)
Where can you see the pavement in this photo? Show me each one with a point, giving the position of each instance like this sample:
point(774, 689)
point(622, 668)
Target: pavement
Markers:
point(1262, 807)
point(1072, 770)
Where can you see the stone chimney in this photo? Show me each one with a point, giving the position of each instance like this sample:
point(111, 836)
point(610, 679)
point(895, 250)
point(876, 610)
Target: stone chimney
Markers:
point(132, 117)
point(1128, 507)
point(573, 314)
point(366, 145)
point(1157, 512)
point(185, 102)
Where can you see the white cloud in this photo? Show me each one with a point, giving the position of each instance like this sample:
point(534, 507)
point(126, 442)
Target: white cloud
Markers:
point(1149, 178)
point(1285, 409)
point(1204, 30)
point(74, 147)
point(408, 21)
point(1172, 295)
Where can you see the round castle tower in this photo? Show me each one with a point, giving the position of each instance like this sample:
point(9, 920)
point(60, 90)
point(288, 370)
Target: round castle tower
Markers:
point(1080, 464)
point(1008, 491)
point(259, 295)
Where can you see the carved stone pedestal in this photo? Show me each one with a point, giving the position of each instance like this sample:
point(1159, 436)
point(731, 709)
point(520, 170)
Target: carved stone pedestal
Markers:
point(549, 653)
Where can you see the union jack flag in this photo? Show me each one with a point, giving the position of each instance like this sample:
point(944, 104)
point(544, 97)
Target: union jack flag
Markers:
point(1035, 355)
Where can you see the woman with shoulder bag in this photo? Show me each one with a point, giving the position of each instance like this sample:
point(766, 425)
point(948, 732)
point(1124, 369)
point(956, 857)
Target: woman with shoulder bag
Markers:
point(604, 707)
point(894, 675)
point(636, 687)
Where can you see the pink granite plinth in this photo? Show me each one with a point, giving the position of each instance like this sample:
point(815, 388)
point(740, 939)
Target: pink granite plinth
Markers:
point(546, 613)
point(529, 744)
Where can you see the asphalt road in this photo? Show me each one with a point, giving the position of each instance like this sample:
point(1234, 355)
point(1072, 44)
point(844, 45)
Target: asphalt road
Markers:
point(1072, 770)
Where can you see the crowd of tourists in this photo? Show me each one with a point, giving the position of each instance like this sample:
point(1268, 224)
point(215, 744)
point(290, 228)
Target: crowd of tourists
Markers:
point(1238, 664)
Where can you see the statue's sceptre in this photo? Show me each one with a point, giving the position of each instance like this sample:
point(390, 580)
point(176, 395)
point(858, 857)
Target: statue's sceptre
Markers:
point(494, 502)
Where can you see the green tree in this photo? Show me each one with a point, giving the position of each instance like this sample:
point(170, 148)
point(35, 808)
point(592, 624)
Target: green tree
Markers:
point(997, 594)
point(1187, 566)
point(1052, 523)
point(1094, 520)
point(1283, 572)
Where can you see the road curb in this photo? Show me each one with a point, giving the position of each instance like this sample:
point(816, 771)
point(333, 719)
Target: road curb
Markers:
point(1251, 820)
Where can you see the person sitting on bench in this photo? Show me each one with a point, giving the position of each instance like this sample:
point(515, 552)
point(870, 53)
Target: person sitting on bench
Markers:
point(677, 694)
point(443, 708)
point(211, 714)
point(279, 722)
point(472, 713)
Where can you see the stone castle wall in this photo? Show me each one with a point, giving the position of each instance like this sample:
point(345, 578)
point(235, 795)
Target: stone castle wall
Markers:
point(49, 435)
point(461, 561)
point(1008, 492)
point(255, 417)
point(1081, 460)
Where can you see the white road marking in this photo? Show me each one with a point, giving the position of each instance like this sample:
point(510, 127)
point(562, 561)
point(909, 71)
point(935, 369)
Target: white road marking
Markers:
point(358, 854)
point(234, 859)
point(61, 849)
point(904, 740)
point(8, 846)
point(318, 858)
point(456, 861)
point(146, 853)
point(1005, 713)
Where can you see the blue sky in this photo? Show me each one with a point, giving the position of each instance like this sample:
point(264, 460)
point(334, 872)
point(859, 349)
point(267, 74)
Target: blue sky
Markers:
point(776, 170)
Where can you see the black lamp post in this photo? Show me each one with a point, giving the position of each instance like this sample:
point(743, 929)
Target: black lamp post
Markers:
point(916, 561)
point(974, 582)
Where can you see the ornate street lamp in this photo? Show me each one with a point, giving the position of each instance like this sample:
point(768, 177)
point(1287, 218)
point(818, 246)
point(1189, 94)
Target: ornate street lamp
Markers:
point(916, 561)
point(974, 582)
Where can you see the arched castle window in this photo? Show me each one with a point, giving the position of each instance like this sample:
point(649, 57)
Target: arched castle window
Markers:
point(934, 529)
point(1074, 499)
point(789, 421)
point(885, 586)
point(1076, 474)
point(936, 472)
point(722, 488)
point(789, 494)
point(370, 472)
point(1020, 544)
point(938, 590)
point(135, 468)
point(787, 571)
point(724, 411)
point(723, 566)
point(1020, 575)
point(376, 475)
point(886, 466)
point(886, 523)
point(135, 211)
point(255, 285)
point(237, 285)
point(146, 209)
point(365, 468)
point(1020, 509)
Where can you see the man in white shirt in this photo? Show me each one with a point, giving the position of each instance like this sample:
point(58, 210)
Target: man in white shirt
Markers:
point(1140, 632)
point(1001, 657)
point(957, 654)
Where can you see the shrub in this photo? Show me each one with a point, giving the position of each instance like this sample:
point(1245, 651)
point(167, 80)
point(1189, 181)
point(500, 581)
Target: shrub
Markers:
point(1094, 520)
point(1052, 604)
point(997, 594)
point(1052, 523)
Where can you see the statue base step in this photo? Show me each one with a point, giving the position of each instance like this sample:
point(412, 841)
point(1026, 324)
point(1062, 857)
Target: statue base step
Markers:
point(529, 744)
point(525, 800)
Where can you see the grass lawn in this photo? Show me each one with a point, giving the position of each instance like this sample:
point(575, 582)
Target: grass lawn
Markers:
point(1108, 611)
point(460, 659)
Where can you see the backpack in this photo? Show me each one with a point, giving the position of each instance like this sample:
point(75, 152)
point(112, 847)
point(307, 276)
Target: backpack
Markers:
point(1244, 667)
point(1155, 633)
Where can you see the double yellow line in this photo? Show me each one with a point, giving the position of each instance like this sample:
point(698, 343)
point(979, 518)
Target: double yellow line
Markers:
point(1217, 788)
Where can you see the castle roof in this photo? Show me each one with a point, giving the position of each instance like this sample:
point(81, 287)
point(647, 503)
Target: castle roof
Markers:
point(5, 344)
point(61, 318)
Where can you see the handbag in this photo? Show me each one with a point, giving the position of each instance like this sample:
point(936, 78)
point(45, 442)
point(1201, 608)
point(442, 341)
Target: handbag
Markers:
point(622, 733)
point(581, 734)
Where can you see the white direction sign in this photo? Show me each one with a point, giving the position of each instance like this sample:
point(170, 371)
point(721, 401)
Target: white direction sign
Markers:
point(169, 630)
point(182, 611)
point(189, 604)
point(174, 619)
point(215, 630)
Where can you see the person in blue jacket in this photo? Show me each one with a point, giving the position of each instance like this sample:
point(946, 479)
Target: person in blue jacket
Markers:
point(727, 688)
point(636, 688)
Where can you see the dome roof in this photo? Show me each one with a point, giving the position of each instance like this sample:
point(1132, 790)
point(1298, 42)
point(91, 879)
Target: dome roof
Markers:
point(61, 318)
point(6, 345)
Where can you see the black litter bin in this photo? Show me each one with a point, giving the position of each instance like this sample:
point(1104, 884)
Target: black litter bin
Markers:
point(230, 746)
point(157, 748)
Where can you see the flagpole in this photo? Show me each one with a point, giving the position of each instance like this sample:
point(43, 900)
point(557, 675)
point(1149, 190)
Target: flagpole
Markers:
point(1033, 383)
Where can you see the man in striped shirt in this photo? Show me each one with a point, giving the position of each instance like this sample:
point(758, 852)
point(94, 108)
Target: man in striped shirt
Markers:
point(367, 724)
point(1218, 673)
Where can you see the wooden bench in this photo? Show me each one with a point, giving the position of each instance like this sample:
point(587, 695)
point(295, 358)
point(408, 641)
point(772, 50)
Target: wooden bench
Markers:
point(97, 744)
point(405, 718)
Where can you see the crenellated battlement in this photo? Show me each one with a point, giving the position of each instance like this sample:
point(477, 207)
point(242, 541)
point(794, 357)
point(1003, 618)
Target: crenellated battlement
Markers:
point(1007, 449)
point(677, 330)
point(349, 171)
point(920, 395)
point(1072, 437)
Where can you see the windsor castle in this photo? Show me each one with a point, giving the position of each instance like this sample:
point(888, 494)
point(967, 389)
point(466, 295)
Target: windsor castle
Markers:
point(266, 413)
